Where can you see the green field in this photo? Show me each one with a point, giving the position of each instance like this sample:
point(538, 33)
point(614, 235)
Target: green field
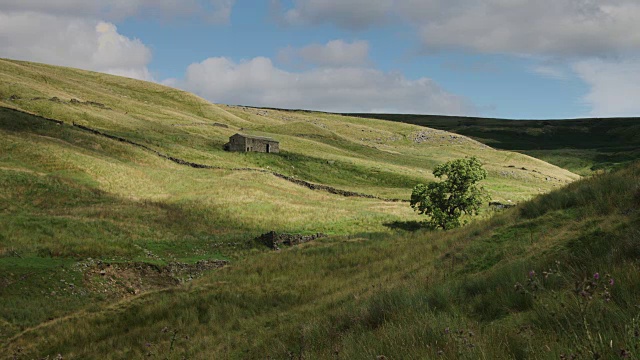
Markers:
point(584, 146)
point(117, 200)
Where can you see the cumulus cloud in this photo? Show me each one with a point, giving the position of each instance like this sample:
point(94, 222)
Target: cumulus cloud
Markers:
point(614, 86)
point(576, 34)
point(541, 27)
point(563, 28)
point(86, 44)
point(213, 10)
point(335, 53)
point(346, 89)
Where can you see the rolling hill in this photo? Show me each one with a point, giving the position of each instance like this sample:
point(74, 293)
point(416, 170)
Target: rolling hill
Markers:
point(583, 146)
point(126, 232)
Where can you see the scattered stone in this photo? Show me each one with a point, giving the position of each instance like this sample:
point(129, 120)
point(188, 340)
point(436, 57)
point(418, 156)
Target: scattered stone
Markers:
point(89, 103)
point(14, 97)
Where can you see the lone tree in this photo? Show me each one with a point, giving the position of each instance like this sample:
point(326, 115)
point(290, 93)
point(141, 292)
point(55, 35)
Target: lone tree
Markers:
point(445, 201)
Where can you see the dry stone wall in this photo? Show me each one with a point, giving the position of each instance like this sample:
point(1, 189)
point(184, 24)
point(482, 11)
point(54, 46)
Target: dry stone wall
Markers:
point(274, 240)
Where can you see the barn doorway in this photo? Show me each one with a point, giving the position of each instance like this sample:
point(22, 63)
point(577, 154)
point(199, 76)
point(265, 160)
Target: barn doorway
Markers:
point(268, 148)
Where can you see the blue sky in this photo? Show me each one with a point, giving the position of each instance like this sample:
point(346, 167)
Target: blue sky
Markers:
point(495, 58)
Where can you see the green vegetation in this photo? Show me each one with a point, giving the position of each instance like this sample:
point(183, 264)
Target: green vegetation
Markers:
point(108, 244)
point(445, 201)
point(498, 289)
point(583, 146)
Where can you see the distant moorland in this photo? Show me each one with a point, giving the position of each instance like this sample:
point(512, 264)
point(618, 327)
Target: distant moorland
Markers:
point(583, 146)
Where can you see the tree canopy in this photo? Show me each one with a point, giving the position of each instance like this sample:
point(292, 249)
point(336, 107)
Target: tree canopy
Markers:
point(447, 200)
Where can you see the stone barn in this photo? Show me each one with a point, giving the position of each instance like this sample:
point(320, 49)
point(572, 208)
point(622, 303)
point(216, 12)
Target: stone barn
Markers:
point(248, 143)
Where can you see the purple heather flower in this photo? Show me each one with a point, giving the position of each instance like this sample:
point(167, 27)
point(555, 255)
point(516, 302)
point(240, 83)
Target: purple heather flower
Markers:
point(532, 273)
point(611, 282)
point(596, 276)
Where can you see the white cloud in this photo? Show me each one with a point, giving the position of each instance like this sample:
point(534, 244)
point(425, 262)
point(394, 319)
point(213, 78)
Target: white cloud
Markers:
point(347, 89)
point(218, 11)
point(85, 44)
point(562, 28)
point(74, 33)
point(574, 34)
point(335, 53)
point(614, 86)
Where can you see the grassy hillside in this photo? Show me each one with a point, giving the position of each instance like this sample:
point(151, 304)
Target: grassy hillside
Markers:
point(583, 146)
point(555, 278)
point(126, 230)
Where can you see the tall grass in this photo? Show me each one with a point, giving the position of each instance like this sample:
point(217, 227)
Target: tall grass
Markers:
point(409, 295)
point(598, 195)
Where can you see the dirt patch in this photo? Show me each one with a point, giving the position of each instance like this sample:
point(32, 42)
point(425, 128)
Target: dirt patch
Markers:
point(125, 279)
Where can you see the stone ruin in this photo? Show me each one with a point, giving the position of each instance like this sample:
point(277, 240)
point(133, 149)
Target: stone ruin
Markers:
point(274, 240)
point(499, 206)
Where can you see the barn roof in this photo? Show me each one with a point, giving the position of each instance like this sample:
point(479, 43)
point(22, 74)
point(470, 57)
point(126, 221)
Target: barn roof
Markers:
point(256, 137)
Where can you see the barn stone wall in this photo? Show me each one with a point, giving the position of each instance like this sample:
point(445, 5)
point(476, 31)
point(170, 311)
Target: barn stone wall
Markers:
point(236, 143)
point(261, 145)
point(249, 144)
